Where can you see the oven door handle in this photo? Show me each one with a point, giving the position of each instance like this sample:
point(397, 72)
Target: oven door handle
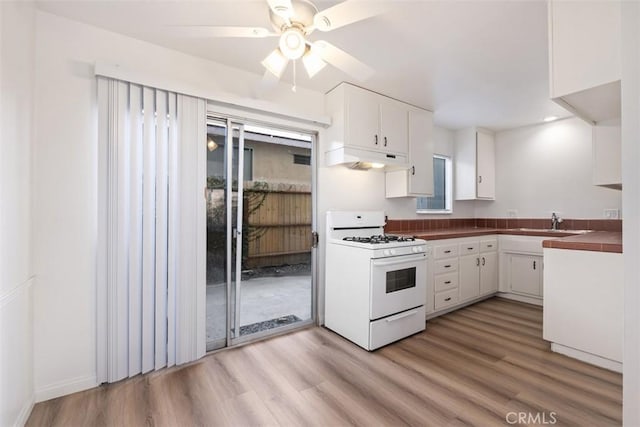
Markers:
point(401, 316)
point(402, 259)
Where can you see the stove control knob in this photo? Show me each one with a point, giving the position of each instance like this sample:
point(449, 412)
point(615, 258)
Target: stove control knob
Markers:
point(420, 249)
point(414, 250)
point(393, 252)
point(386, 252)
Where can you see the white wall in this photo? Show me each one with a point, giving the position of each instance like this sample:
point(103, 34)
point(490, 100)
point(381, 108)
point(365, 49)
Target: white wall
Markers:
point(16, 273)
point(631, 209)
point(65, 179)
point(547, 168)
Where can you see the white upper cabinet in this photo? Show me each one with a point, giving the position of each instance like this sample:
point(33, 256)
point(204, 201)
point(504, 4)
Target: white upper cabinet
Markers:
point(394, 124)
point(607, 155)
point(361, 126)
point(584, 57)
point(474, 165)
point(417, 180)
point(366, 126)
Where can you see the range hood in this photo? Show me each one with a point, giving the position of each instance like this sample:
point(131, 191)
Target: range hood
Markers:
point(358, 158)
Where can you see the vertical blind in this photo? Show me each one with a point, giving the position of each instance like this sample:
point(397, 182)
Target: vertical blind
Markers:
point(151, 265)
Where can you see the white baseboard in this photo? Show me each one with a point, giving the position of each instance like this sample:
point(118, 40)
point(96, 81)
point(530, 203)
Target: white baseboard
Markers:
point(25, 412)
point(592, 359)
point(520, 298)
point(63, 388)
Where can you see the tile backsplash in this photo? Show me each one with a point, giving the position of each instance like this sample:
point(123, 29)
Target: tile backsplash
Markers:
point(410, 225)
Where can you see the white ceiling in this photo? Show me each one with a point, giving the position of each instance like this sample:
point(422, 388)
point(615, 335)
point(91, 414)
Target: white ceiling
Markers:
point(478, 63)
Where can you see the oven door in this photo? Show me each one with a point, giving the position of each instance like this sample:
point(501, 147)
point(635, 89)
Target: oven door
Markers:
point(397, 284)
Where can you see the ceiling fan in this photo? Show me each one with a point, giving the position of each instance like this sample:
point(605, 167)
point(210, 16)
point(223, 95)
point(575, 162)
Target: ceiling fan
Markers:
point(293, 21)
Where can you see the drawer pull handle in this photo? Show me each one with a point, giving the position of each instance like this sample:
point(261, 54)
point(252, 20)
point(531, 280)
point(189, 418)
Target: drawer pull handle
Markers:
point(470, 249)
point(447, 252)
point(489, 246)
point(447, 266)
point(448, 282)
point(448, 299)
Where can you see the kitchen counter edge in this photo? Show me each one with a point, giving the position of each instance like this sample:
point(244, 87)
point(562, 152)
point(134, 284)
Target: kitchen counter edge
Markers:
point(597, 241)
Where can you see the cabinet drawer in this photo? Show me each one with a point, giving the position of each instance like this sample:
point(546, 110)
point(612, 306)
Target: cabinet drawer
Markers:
point(468, 248)
point(446, 299)
point(488, 246)
point(446, 251)
point(398, 326)
point(445, 266)
point(442, 282)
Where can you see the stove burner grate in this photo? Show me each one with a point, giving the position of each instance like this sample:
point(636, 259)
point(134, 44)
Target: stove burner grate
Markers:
point(378, 239)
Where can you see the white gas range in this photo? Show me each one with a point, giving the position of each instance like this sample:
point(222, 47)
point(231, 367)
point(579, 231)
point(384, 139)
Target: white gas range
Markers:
point(375, 284)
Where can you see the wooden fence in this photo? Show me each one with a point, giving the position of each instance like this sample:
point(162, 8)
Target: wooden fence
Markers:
point(278, 225)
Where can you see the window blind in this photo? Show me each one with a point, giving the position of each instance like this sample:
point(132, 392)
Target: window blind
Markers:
point(151, 266)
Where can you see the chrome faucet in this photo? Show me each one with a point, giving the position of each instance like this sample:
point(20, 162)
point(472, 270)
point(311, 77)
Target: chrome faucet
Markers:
point(555, 220)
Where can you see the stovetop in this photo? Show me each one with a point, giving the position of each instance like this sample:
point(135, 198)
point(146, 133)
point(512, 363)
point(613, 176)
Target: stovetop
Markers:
point(379, 239)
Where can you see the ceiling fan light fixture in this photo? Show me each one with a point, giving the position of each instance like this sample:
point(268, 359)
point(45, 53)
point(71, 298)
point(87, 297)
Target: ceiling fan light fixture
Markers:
point(276, 62)
point(312, 62)
point(292, 43)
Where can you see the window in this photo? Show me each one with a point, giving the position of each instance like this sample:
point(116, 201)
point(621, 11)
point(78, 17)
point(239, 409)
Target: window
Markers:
point(440, 202)
point(301, 159)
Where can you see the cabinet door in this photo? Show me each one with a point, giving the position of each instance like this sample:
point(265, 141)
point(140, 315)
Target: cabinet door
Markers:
point(525, 274)
point(421, 153)
point(469, 282)
point(607, 155)
point(362, 118)
point(394, 128)
point(584, 45)
point(488, 273)
point(486, 180)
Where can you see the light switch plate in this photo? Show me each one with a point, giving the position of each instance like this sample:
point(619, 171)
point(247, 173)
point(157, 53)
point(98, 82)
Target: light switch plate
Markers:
point(611, 213)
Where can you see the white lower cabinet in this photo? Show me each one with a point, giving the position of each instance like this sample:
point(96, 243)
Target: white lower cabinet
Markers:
point(521, 268)
point(489, 272)
point(461, 271)
point(525, 274)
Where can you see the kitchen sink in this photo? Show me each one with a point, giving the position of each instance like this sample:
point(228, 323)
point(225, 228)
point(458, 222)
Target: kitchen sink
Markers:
point(548, 230)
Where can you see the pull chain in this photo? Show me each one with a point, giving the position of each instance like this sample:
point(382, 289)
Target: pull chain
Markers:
point(293, 88)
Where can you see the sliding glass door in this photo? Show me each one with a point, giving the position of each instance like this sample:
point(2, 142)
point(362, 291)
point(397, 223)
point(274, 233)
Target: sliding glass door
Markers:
point(259, 232)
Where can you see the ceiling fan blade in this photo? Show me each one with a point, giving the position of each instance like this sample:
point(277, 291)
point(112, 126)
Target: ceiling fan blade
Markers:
point(282, 8)
point(207, 31)
point(348, 12)
point(267, 84)
point(342, 60)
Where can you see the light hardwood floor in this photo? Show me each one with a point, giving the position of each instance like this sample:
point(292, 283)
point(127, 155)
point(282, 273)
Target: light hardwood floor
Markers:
point(470, 367)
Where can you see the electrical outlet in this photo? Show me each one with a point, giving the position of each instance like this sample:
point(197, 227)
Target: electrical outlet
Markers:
point(611, 213)
point(512, 213)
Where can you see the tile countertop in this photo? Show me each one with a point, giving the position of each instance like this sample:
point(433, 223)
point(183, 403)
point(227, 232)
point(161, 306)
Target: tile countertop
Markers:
point(598, 241)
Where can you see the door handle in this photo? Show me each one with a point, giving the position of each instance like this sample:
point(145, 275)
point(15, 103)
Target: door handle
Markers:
point(413, 170)
point(479, 179)
point(477, 262)
point(534, 265)
point(315, 238)
point(376, 138)
point(482, 260)
point(385, 141)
